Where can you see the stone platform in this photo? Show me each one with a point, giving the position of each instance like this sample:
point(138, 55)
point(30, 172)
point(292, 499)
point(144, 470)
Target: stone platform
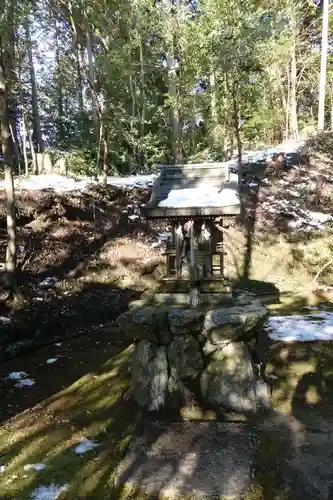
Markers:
point(199, 459)
point(203, 352)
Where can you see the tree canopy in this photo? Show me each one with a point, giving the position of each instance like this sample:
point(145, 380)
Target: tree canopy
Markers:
point(121, 86)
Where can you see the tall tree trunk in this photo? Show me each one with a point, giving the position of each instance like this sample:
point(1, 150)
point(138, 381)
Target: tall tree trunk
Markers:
point(213, 103)
point(8, 166)
point(79, 79)
point(34, 96)
point(91, 77)
point(61, 125)
point(293, 79)
point(105, 157)
point(143, 100)
point(76, 50)
point(287, 117)
point(23, 118)
point(323, 64)
point(33, 153)
point(24, 143)
point(237, 128)
point(174, 114)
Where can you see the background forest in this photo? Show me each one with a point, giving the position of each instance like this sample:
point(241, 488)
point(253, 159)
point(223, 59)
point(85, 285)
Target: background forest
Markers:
point(120, 86)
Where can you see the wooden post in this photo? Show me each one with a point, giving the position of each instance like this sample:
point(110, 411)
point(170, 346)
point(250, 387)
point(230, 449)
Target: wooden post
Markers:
point(218, 249)
point(221, 252)
point(179, 241)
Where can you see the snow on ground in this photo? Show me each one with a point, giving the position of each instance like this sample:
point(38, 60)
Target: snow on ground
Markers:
point(205, 196)
point(34, 467)
point(22, 379)
point(51, 361)
point(17, 375)
point(47, 282)
point(62, 184)
point(289, 148)
point(26, 382)
point(84, 446)
point(51, 492)
point(5, 320)
point(301, 328)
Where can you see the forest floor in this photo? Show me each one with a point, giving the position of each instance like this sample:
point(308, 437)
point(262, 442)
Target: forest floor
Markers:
point(83, 257)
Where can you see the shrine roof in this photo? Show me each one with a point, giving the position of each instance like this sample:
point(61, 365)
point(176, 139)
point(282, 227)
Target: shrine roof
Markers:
point(193, 190)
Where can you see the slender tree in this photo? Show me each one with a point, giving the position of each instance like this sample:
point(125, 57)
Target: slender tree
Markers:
point(323, 65)
point(6, 138)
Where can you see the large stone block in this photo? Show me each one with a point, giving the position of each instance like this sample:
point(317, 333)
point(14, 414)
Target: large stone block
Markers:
point(185, 357)
point(185, 320)
point(233, 323)
point(149, 375)
point(149, 323)
point(229, 379)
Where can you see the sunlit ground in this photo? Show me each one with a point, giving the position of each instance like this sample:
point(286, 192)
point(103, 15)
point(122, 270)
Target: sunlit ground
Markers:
point(91, 408)
point(80, 395)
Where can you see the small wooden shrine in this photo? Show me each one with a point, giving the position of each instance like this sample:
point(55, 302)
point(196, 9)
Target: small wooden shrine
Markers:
point(194, 199)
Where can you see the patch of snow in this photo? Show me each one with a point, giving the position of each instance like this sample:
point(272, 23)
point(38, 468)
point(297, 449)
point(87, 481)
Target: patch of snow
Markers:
point(58, 344)
point(5, 320)
point(26, 382)
point(84, 446)
point(133, 217)
point(162, 238)
point(51, 492)
point(50, 361)
point(2, 469)
point(316, 326)
point(62, 184)
point(205, 196)
point(49, 281)
point(34, 467)
point(319, 217)
point(17, 375)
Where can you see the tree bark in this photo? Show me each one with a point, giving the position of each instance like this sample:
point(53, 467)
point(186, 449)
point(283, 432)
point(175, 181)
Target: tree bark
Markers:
point(10, 264)
point(76, 50)
point(213, 104)
point(237, 129)
point(91, 76)
point(175, 125)
point(323, 65)
point(34, 96)
point(61, 127)
point(293, 79)
point(105, 157)
point(33, 154)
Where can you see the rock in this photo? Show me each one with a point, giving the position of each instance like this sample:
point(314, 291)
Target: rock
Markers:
point(185, 320)
point(149, 375)
point(209, 348)
point(144, 323)
point(179, 394)
point(229, 379)
point(233, 323)
point(184, 357)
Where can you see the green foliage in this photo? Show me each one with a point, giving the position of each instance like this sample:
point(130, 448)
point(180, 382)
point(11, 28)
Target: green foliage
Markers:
point(82, 162)
point(153, 66)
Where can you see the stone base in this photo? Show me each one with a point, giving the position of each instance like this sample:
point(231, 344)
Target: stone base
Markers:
point(203, 352)
point(181, 299)
point(199, 459)
point(169, 284)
